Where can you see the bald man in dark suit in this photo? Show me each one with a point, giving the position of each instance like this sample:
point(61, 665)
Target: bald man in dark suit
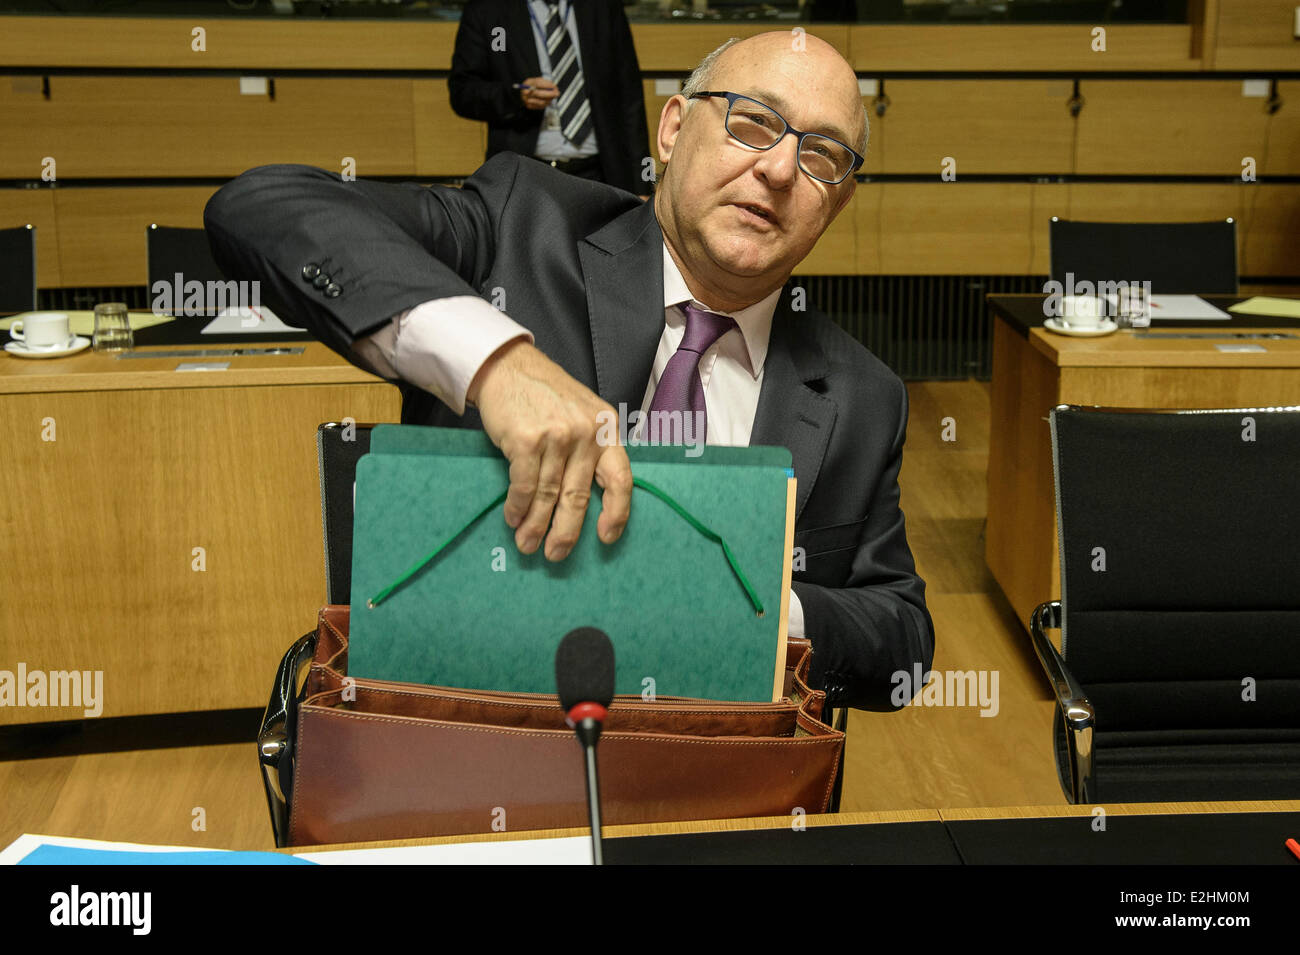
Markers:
point(600, 294)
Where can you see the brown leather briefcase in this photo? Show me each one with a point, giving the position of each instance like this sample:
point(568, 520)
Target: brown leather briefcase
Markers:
point(362, 760)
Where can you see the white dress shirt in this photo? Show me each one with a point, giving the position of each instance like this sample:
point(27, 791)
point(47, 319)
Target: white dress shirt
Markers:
point(731, 370)
point(441, 344)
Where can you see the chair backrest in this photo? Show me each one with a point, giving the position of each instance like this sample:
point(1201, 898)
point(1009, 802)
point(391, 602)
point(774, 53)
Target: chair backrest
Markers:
point(18, 269)
point(1180, 569)
point(338, 448)
point(1175, 257)
point(172, 251)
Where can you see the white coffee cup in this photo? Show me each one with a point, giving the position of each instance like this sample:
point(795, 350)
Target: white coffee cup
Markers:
point(43, 330)
point(1081, 311)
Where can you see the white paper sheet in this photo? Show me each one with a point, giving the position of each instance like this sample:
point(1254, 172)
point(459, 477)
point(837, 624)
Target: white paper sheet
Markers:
point(1191, 307)
point(240, 319)
point(25, 844)
point(573, 850)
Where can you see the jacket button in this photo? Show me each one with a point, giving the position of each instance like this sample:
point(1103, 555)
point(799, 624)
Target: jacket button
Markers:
point(321, 280)
point(333, 291)
point(310, 271)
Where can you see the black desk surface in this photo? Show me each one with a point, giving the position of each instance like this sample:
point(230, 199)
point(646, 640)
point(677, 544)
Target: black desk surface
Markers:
point(1023, 312)
point(896, 843)
point(188, 331)
point(1254, 838)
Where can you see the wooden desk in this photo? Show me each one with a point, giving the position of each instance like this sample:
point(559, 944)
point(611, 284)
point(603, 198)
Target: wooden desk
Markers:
point(1118, 809)
point(163, 527)
point(1034, 370)
point(652, 829)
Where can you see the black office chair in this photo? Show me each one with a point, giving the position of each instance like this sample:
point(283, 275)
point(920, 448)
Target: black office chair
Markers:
point(1178, 675)
point(338, 449)
point(1175, 257)
point(339, 445)
point(171, 251)
point(18, 270)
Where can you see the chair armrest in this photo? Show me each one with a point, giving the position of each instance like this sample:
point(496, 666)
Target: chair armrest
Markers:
point(1047, 616)
point(275, 740)
point(1076, 709)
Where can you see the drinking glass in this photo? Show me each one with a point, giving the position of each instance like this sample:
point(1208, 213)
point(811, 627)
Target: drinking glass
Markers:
point(112, 328)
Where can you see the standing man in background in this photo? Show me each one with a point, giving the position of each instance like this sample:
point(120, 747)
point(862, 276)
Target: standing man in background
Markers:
point(557, 80)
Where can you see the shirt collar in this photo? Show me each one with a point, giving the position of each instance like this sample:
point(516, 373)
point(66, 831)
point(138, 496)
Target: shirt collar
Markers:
point(755, 321)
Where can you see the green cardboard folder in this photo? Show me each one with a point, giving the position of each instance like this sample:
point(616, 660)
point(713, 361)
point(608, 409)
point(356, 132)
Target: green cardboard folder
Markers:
point(480, 615)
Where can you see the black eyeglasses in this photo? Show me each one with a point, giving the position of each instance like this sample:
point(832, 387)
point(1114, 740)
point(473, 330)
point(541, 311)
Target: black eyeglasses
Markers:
point(759, 126)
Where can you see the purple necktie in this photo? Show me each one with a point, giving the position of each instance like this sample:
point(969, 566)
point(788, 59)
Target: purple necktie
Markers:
point(680, 388)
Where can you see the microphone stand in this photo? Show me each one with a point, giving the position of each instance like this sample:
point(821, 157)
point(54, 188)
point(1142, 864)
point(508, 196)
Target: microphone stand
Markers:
point(588, 730)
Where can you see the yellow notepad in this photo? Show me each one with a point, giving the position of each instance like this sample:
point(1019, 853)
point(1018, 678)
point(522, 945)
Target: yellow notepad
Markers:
point(1266, 305)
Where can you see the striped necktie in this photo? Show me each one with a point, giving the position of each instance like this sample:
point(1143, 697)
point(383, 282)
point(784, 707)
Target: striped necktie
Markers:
point(574, 107)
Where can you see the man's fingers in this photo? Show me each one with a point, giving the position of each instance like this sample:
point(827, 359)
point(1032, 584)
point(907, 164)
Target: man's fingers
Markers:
point(547, 491)
point(571, 508)
point(614, 474)
point(524, 470)
point(545, 423)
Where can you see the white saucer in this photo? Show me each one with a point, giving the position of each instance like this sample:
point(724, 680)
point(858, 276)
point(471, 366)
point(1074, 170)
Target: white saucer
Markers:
point(1056, 325)
point(19, 349)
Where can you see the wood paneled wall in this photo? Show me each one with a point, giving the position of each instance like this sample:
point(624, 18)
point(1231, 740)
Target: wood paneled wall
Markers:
point(201, 126)
point(976, 126)
point(1255, 35)
point(231, 43)
point(153, 128)
point(226, 43)
point(198, 126)
point(1188, 127)
point(1013, 48)
point(1223, 35)
point(96, 236)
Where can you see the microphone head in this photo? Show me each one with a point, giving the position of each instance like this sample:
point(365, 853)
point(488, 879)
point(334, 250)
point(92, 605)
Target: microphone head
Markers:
point(584, 668)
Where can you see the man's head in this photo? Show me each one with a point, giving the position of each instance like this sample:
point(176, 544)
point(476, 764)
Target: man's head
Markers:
point(737, 219)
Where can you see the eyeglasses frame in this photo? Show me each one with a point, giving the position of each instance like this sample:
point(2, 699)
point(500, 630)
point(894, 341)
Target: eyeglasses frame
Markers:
point(801, 135)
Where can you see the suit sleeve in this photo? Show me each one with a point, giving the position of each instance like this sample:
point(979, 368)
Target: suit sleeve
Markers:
point(479, 85)
point(341, 258)
point(877, 624)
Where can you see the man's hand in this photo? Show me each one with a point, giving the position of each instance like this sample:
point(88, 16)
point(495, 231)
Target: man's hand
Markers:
point(545, 423)
point(538, 92)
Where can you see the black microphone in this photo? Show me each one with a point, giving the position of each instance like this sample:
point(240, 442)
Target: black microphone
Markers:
point(584, 679)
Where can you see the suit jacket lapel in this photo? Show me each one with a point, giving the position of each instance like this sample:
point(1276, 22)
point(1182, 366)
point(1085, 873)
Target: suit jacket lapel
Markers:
point(622, 265)
point(584, 16)
point(520, 24)
point(790, 413)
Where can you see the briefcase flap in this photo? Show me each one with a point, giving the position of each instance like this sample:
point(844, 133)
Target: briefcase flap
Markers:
point(378, 760)
point(330, 667)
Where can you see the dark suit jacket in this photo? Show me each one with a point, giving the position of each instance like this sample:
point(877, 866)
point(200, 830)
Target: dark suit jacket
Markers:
point(481, 79)
point(581, 266)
